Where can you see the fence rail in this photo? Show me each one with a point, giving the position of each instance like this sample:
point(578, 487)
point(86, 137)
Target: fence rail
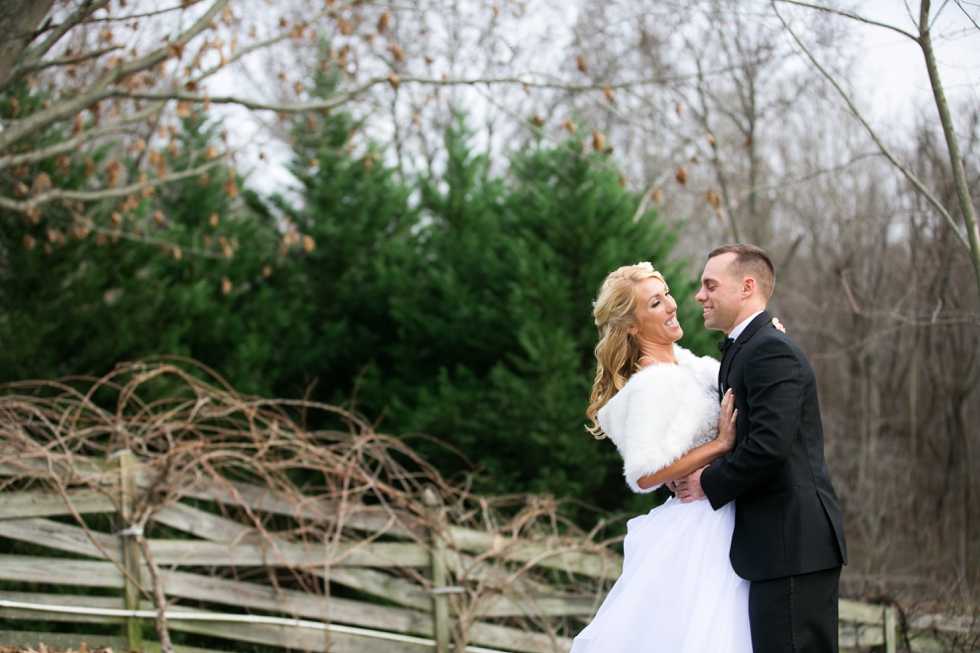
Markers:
point(410, 624)
point(417, 615)
point(245, 607)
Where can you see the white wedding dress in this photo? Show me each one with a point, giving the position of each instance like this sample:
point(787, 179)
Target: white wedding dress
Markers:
point(678, 592)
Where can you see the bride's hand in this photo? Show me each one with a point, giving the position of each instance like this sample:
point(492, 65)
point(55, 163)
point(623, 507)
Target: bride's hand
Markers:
point(726, 421)
point(779, 325)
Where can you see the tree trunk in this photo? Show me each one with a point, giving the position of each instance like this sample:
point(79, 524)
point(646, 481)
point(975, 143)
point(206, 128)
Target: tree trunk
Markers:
point(960, 487)
point(952, 142)
point(913, 405)
point(870, 416)
point(18, 20)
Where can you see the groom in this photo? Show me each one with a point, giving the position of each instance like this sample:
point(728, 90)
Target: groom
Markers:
point(789, 534)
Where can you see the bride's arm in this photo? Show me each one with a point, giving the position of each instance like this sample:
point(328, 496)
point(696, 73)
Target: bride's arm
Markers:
point(701, 456)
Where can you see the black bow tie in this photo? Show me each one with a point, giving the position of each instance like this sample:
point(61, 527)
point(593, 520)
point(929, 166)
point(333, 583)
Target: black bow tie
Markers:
point(725, 345)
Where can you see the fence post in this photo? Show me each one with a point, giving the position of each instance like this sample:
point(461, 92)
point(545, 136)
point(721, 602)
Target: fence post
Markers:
point(130, 548)
point(890, 626)
point(440, 601)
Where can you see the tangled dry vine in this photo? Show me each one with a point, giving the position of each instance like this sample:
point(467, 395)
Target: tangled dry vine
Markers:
point(194, 438)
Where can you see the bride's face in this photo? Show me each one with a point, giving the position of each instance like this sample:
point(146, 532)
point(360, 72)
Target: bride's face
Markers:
point(656, 314)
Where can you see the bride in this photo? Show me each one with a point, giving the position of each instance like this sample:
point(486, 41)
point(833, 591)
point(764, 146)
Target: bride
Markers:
point(659, 404)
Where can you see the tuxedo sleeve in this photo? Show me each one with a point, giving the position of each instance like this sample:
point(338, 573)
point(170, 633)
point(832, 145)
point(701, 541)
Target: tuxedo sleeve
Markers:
point(774, 390)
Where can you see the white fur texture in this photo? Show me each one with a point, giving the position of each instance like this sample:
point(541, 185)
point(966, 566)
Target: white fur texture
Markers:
point(661, 413)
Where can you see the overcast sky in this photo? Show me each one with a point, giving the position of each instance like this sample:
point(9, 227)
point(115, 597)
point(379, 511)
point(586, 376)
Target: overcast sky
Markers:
point(895, 68)
point(889, 74)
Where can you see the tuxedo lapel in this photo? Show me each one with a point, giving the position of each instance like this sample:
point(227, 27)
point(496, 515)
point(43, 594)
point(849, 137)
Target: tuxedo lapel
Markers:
point(746, 335)
point(726, 362)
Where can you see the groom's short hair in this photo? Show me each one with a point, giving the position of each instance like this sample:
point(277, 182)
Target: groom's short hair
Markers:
point(750, 261)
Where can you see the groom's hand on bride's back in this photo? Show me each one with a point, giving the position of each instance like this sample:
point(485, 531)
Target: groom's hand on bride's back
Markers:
point(688, 488)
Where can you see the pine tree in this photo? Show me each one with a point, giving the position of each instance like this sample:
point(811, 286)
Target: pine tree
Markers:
point(464, 313)
point(355, 218)
point(496, 333)
point(80, 301)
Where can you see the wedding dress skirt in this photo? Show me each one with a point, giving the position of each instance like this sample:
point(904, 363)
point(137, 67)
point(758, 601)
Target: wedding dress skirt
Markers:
point(678, 592)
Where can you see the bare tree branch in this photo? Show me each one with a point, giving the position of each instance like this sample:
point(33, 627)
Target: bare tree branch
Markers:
point(817, 173)
point(704, 118)
point(852, 16)
point(255, 105)
point(100, 89)
point(316, 105)
point(151, 240)
point(918, 319)
point(932, 22)
point(952, 142)
point(959, 4)
point(67, 61)
point(103, 129)
point(18, 21)
point(874, 135)
point(658, 80)
point(148, 14)
point(645, 200)
point(279, 38)
point(61, 111)
point(85, 10)
point(543, 134)
point(46, 197)
point(164, 53)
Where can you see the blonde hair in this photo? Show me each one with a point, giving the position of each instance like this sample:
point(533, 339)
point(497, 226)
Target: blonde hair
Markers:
point(617, 354)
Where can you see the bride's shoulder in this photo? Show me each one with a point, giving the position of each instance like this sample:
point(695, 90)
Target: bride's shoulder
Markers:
point(702, 365)
point(686, 356)
point(660, 379)
point(650, 385)
point(656, 373)
point(668, 379)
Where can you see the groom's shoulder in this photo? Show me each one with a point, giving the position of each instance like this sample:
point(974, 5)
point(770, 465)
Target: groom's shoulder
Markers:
point(771, 340)
point(771, 343)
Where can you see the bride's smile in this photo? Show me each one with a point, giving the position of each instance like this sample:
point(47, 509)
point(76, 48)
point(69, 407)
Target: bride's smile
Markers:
point(747, 555)
point(678, 591)
point(656, 327)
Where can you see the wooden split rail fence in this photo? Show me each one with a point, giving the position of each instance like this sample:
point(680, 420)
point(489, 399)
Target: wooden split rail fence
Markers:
point(225, 564)
point(414, 617)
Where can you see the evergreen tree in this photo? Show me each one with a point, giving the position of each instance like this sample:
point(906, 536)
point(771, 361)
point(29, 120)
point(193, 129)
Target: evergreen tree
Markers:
point(495, 329)
point(464, 314)
point(74, 301)
point(357, 217)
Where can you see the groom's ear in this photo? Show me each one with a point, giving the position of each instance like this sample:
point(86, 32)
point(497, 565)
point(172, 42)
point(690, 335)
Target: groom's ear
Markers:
point(749, 287)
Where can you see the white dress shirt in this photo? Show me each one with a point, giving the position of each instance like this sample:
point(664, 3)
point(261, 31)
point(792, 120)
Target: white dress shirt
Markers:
point(740, 327)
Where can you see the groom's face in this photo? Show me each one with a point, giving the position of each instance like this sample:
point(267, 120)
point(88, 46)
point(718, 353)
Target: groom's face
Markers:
point(720, 295)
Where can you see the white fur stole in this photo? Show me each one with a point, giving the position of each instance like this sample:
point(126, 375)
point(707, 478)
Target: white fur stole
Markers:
point(661, 413)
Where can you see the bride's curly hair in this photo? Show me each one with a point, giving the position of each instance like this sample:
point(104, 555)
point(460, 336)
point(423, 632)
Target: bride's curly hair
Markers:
point(617, 354)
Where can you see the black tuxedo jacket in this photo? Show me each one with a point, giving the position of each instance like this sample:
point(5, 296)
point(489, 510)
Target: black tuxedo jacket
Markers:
point(787, 519)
